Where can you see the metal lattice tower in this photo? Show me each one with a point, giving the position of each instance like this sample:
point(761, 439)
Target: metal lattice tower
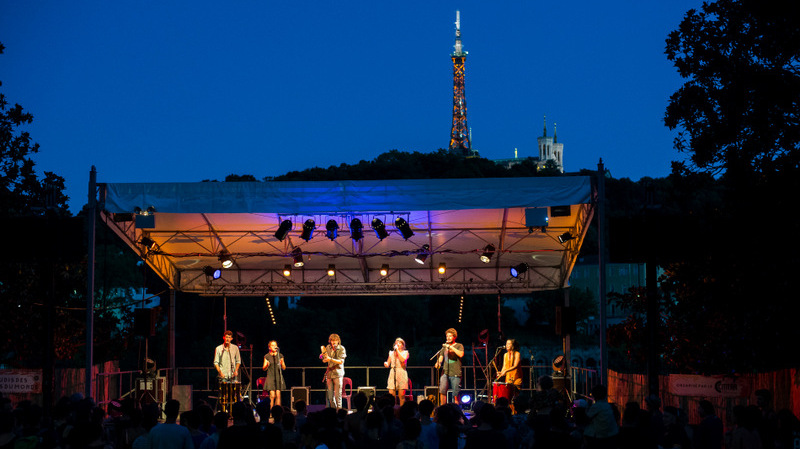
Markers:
point(459, 133)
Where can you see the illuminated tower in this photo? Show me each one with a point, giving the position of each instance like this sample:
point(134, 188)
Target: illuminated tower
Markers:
point(459, 133)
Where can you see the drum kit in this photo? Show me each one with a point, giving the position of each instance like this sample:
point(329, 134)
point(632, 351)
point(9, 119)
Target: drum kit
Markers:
point(502, 390)
point(230, 391)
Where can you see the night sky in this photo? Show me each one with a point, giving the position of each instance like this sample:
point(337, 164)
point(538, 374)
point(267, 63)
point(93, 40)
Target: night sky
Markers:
point(185, 91)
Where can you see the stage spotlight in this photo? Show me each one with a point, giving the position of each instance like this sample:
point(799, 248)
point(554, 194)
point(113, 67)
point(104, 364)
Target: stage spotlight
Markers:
point(148, 243)
point(422, 255)
point(333, 229)
point(565, 237)
point(308, 230)
point(404, 227)
point(297, 255)
point(331, 270)
point(287, 270)
point(356, 229)
point(225, 259)
point(379, 228)
point(488, 252)
point(465, 400)
point(283, 230)
point(442, 268)
point(559, 363)
point(213, 273)
point(384, 269)
point(516, 270)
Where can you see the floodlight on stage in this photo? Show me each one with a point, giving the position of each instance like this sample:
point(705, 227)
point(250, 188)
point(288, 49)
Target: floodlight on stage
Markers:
point(287, 270)
point(404, 227)
point(213, 273)
point(331, 270)
point(356, 229)
point(488, 252)
point(297, 255)
point(379, 228)
point(565, 237)
point(225, 259)
point(516, 270)
point(465, 399)
point(283, 230)
point(308, 230)
point(148, 243)
point(442, 268)
point(332, 229)
point(422, 255)
point(384, 269)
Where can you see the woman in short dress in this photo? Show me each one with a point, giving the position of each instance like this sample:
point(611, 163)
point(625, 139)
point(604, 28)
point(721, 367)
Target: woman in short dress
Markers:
point(398, 376)
point(274, 366)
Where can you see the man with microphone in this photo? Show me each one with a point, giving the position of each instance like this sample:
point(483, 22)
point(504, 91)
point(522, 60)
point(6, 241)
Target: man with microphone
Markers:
point(450, 361)
point(227, 362)
point(226, 359)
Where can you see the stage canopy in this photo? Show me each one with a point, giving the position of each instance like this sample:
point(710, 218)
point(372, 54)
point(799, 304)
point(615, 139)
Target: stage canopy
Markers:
point(181, 229)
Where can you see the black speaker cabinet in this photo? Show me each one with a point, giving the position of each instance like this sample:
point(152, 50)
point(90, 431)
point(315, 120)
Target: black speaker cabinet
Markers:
point(369, 391)
point(151, 389)
point(300, 394)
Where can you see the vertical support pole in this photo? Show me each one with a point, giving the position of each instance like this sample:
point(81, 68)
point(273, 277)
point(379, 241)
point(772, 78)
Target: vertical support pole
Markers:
point(171, 337)
point(602, 253)
point(91, 221)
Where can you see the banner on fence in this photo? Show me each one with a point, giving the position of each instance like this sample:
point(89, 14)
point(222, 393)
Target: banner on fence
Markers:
point(20, 381)
point(708, 386)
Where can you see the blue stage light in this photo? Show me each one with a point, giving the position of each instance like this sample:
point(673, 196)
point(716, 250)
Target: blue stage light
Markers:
point(516, 270)
point(379, 228)
point(283, 230)
point(308, 230)
point(333, 229)
point(356, 229)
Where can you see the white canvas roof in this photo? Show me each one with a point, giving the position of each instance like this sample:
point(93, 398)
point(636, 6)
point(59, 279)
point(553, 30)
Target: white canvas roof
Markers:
point(193, 222)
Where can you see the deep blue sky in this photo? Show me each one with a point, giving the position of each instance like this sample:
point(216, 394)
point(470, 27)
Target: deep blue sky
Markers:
point(191, 90)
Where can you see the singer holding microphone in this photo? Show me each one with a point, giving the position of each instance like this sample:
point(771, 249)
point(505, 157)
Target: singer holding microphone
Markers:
point(450, 361)
point(274, 366)
point(398, 376)
point(333, 355)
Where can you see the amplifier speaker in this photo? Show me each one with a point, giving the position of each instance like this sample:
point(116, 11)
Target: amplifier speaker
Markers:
point(369, 391)
point(432, 393)
point(300, 394)
point(183, 393)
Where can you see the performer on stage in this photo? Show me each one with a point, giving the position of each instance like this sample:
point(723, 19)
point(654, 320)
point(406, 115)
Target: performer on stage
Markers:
point(450, 361)
point(274, 366)
point(511, 364)
point(398, 376)
point(227, 360)
point(334, 354)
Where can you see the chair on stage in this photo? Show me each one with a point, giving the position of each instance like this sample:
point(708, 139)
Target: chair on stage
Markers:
point(347, 390)
point(262, 394)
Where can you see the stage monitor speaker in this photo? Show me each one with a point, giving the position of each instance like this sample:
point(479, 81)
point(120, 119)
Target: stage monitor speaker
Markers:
point(151, 389)
point(300, 394)
point(183, 393)
point(369, 391)
point(432, 393)
point(563, 385)
point(560, 211)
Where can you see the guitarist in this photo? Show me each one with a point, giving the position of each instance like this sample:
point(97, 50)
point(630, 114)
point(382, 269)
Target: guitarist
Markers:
point(333, 355)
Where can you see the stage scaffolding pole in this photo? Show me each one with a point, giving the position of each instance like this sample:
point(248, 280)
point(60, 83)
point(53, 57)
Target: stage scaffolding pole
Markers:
point(601, 266)
point(91, 218)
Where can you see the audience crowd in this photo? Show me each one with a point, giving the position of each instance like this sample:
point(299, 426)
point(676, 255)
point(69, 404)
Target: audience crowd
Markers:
point(542, 420)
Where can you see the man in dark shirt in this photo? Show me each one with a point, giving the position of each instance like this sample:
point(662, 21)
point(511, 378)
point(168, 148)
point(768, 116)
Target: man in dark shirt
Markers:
point(450, 361)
